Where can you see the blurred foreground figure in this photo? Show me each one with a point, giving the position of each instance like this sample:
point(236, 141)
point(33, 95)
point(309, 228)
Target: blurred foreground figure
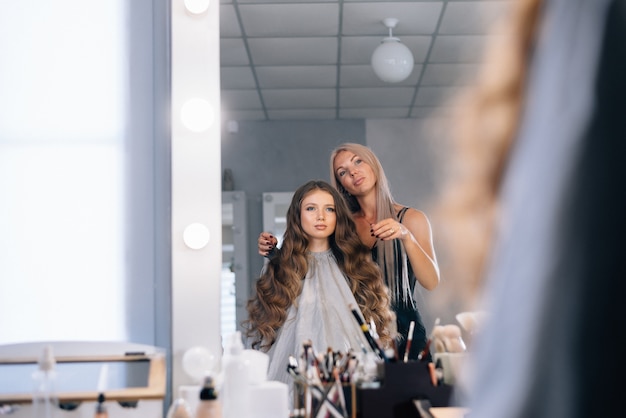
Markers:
point(544, 151)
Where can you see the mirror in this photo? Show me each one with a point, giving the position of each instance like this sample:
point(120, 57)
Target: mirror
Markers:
point(285, 113)
point(275, 207)
point(234, 279)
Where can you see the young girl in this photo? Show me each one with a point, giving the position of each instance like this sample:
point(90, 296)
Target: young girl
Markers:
point(308, 290)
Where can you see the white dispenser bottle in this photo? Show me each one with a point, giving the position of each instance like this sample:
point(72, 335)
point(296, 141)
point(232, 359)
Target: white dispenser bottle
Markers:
point(45, 401)
point(236, 385)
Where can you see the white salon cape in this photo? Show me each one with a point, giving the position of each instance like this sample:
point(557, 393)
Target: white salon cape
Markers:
point(556, 285)
point(321, 314)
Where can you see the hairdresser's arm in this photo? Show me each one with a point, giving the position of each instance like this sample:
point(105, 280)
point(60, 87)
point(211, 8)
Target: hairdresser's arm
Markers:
point(416, 235)
point(417, 238)
point(267, 245)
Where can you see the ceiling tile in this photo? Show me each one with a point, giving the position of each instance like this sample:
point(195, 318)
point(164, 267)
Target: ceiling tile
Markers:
point(229, 24)
point(457, 49)
point(241, 99)
point(311, 98)
point(375, 97)
point(297, 76)
point(237, 78)
point(233, 52)
point(364, 76)
point(414, 18)
point(289, 20)
point(293, 51)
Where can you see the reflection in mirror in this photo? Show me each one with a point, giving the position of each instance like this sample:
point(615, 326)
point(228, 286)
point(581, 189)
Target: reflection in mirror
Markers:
point(234, 284)
point(275, 207)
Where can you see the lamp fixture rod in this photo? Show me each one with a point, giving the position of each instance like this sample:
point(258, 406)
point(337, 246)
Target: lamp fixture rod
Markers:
point(390, 23)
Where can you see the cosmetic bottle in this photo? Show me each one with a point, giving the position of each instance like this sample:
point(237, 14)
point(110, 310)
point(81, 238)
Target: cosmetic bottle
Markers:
point(45, 400)
point(180, 408)
point(209, 405)
point(236, 384)
point(101, 409)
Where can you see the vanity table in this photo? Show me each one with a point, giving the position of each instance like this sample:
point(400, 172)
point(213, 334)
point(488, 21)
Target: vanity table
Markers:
point(131, 376)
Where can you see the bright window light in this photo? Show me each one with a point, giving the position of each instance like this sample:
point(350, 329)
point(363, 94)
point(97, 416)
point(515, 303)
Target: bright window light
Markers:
point(62, 123)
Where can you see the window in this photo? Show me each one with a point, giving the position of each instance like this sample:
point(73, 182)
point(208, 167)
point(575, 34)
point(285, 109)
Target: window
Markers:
point(69, 170)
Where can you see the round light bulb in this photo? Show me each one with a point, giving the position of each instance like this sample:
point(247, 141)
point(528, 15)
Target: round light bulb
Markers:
point(392, 61)
point(197, 6)
point(197, 115)
point(196, 236)
point(198, 362)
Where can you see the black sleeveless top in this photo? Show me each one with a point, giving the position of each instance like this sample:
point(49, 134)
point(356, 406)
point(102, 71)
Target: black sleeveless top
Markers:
point(406, 311)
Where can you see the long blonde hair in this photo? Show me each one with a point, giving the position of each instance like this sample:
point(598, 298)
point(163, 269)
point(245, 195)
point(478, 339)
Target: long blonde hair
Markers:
point(486, 129)
point(396, 277)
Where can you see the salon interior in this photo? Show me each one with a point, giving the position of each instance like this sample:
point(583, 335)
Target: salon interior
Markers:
point(145, 144)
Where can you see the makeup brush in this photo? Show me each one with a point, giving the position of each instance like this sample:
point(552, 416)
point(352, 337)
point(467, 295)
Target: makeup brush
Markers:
point(409, 341)
point(368, 336)
point(424, 352)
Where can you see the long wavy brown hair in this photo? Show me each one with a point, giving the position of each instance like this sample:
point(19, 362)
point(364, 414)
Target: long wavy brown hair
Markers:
point(280, 283)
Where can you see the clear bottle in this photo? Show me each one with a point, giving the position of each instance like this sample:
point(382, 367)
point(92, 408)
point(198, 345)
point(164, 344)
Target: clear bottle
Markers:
point(236, 385)
point(101, 408)
point(209, 406)
point(45, 400)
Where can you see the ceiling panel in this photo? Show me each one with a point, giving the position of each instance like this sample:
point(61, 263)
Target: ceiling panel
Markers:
point(281, 77)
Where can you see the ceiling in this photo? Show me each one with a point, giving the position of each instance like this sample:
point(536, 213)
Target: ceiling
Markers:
point(310, 59)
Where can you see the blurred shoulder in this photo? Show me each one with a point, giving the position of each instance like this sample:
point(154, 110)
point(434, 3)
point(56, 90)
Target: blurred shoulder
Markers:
point(415, 219)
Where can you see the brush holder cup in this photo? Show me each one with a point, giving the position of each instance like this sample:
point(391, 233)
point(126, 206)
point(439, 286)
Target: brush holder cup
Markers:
point(400, 384)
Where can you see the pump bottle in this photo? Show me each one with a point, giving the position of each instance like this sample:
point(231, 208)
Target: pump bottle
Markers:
point(45, 401)
point(236, 385)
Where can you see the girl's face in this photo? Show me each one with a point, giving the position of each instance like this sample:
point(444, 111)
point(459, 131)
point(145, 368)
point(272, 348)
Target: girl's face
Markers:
point(317, 213)
point(353, 173)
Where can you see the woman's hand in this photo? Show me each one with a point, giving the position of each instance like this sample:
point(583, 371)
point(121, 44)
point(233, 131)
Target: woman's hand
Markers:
point(267, 242)
point(388, 229)
point(416, 235)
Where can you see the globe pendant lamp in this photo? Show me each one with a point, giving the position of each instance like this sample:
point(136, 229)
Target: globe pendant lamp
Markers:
point(392, 61)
